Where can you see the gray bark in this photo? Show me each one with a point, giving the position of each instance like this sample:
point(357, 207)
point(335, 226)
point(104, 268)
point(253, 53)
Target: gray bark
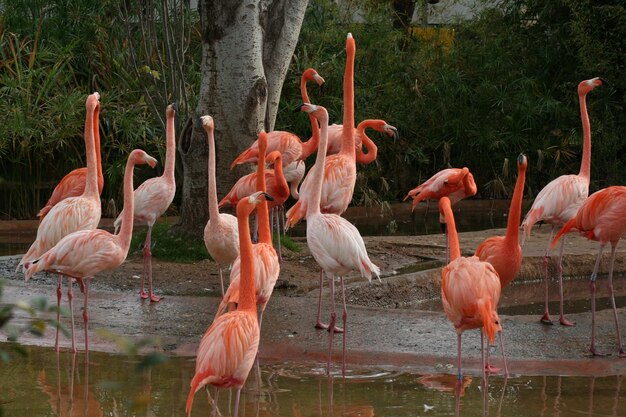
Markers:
point(247, 48)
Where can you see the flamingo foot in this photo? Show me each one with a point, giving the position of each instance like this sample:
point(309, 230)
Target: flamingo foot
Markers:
point(490, 369)
point(337, 329)
point(565, 322)
point(621, 353)
point(155, 298)
point(143, 294)
point(594, 352)
point(545, 319)
point(320, 325)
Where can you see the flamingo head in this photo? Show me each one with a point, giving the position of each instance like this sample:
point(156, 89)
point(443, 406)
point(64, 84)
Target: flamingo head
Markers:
point(318, 112)
point(274, 157)
point(311, 75)
point(257, 197)
point(391, 131)
point(139, 157)
point(587, 85)
point(492, 326)
point(171, 110)
point(207, 123)
point(522, 161)
point(262, 142)
point(93, 101)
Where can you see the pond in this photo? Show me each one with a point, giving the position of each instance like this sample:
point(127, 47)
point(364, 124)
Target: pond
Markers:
point(44, 383)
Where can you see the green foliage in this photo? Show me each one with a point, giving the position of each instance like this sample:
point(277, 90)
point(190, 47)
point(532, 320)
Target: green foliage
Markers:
point(288, 243)
point(169, 247)
point(505, 84)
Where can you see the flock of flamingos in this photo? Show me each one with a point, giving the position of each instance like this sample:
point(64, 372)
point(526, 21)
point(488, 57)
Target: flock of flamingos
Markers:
point(69, 244)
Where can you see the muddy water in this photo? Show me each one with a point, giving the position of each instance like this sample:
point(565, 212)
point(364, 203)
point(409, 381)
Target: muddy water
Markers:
point(46, 384)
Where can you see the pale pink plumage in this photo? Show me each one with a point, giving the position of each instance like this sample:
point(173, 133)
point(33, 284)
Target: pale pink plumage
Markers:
point(221, 233)
point(601, 218)
point(335, 135)
point(83, 254)
point(559, 201)
point(153, 198)
point(454, 183)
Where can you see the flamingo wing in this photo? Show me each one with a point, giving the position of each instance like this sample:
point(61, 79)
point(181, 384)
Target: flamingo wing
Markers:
point(221, 238)
point(152, 198)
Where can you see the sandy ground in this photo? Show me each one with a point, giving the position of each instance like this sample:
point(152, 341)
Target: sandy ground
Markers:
point(396, 322)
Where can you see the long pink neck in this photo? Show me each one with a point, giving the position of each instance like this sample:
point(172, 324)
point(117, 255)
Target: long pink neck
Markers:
point(453, 237)
point(318, 178)
point(372, 149)
point(515, 210)
point(170, 150)
point(96, 132)
point(247, 290)
point(262, 210)
point(585, 165)
point(310, 145)
point(213, 210)
point(347, 143)
point(91, 183)
point(279, 175)
point(126, 231)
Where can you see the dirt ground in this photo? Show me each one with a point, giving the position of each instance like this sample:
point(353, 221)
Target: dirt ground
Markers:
point(396, 322)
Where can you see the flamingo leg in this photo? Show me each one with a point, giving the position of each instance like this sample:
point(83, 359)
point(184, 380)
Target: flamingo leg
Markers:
point(482, 352)
point(148, 254)
point(318, 322)
point(506, 367)
point(331, 324)
point(344, 318)
point(236, 412)
point(58, 323)
point(221, 280)
point(70, 296)
point(621, 353)
point(275, 212)
point(86, 319)
point(545, 319)
point(489, 368)
point(562, 318)
point(592, 287)
point(459, 374)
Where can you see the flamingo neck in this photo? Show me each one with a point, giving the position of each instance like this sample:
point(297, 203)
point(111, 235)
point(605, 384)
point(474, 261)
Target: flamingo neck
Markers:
point(347, 144)
point(96, 132)
point(318, 175)
point(515, 210)
point(453, 237)
point(310, 145)
point(126, 231)
point(263, 216)
point(170, 148)
point(214, 212)
point(91, 184)
point(279, 175)
point(585, 165)
point(247, 293)
point(372, 149)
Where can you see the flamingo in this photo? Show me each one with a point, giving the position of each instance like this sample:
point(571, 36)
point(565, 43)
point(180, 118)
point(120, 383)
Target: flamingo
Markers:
point(504, 253)
point(601, 218)
point(84, 253)
point(229, 346)
point(71, 214)
point(73, 184)
point(152, 199)
point(454, 183)
point(339, 169)
point(558, 201)
point(360, 139)
point(288, 144)
point(294, 172)
point(221, 233)
point(267, 265)
point(470, 290)
point(334, 242)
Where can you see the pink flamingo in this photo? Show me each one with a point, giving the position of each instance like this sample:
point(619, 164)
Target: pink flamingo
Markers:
point(288, 144)
point(360, 139)
point(504, 253)
point(294, 172)
point(333, 241)
point(267, 265)
point(152, 199)
point(71, 214)
point(340, 168)
point(454, 183)
point(601, 218)
point(73, 184)
point(558, 201)
point(229, 346)
point(470, 291)
point(83, 254)
point(221, 233)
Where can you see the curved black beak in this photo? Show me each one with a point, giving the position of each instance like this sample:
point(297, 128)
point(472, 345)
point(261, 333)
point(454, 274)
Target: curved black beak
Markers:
point(299, 108)
point(268, 197)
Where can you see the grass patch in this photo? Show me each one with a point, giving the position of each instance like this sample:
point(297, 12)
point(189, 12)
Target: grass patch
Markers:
point(286, 242)
point(168, 247)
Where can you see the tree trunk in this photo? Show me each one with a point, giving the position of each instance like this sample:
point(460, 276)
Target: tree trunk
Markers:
point(247, 47)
